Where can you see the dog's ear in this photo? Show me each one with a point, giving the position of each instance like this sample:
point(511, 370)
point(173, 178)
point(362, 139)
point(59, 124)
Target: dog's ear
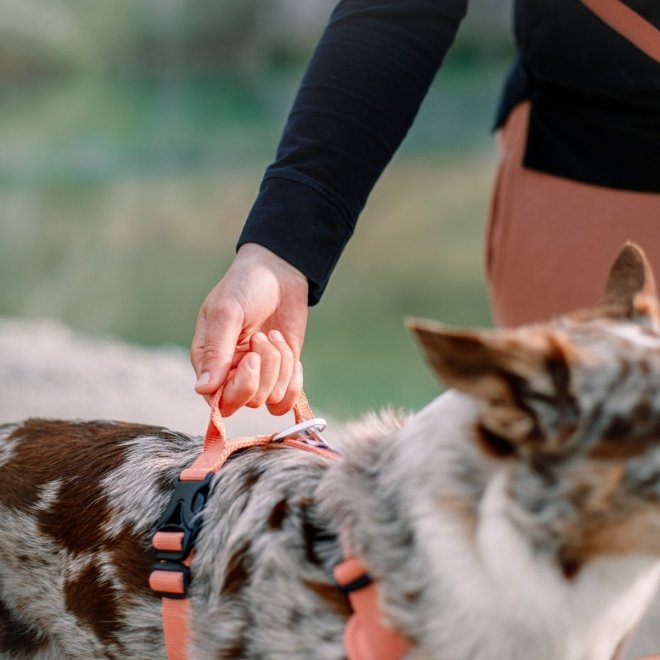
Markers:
point(630, 291)
point(522, 376)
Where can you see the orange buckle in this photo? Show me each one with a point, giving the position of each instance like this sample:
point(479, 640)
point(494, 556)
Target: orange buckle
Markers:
point(170, 579)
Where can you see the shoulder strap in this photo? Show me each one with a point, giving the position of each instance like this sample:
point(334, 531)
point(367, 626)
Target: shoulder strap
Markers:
point(629, 24)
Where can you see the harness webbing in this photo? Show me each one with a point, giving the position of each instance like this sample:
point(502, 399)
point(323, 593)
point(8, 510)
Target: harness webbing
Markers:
point(365, 637)
point(178, 527)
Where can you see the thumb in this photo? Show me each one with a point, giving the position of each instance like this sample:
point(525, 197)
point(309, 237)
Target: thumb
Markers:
point(213, 350)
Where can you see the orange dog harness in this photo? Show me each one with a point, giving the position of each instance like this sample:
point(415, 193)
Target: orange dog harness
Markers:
point(365, 637)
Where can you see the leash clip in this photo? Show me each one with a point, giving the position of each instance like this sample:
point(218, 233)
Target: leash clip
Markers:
point(307, 431)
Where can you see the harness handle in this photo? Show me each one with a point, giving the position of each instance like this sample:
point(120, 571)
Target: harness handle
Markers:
point(216, 428)
point(216, 446)
point(170, 579)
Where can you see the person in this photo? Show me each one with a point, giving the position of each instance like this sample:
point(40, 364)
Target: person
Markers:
point(579, 173)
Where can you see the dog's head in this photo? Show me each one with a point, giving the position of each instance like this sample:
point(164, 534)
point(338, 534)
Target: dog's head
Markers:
point(574, 404)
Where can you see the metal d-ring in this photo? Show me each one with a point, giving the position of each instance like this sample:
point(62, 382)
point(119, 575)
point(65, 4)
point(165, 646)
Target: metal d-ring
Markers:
point(308, 431)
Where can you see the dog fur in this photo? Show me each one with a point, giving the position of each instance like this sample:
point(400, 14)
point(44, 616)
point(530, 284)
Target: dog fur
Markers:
point(517, 516)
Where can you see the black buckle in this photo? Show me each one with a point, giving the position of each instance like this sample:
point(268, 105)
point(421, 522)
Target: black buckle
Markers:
point(173, 567)
point(182, 515)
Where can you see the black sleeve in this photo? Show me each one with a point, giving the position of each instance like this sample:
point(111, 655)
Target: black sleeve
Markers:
point(360, 94)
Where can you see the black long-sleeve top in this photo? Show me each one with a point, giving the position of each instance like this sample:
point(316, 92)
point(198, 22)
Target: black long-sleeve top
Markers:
point(366, 80)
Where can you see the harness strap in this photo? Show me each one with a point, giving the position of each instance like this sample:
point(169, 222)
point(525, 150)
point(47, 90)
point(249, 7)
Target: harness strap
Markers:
point(217, 448)
point(629, 24)
point(365, 635)
point(178, 528)
point(175, 613)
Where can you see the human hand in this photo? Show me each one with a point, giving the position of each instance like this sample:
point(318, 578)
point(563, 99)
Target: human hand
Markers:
point(249, 334)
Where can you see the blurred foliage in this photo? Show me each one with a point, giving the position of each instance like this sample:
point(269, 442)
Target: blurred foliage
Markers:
point(134, 258)
point(120, 205)
point(134, 135)
point(40, 38)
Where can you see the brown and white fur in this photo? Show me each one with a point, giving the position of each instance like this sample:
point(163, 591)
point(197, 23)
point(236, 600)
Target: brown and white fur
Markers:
point(517, 516)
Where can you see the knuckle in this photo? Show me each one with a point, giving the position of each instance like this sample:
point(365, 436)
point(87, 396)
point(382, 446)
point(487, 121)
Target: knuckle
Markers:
point(276, 396)
point(256, 402)
point(259, 397)
point(268, 351)
point(210, 352)
point(225, 310)
point(239, 391)
point(289, 398)
point(278, 408)
point(245, 391)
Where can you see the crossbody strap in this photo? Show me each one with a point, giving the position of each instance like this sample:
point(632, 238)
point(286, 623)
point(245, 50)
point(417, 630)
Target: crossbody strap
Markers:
point(629, 24)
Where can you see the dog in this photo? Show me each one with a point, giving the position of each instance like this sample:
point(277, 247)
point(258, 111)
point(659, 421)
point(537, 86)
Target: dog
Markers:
point(515, 517)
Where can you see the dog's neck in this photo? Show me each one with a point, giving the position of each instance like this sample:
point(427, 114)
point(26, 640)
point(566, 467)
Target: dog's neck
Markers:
point(578, 618)
point(436, 520)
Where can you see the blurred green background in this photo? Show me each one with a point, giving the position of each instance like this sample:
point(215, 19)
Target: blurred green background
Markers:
point(133, 137)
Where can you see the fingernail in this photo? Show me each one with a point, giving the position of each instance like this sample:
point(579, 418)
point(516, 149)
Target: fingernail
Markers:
point(203, 379)
point(275, 335)
point(260, 336)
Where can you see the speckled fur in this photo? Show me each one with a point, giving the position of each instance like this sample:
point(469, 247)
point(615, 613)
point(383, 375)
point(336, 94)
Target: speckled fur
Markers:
point(75, 555)
point(517, 516)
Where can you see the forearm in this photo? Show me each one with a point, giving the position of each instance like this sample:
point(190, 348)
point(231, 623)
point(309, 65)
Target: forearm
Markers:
point(359, 96)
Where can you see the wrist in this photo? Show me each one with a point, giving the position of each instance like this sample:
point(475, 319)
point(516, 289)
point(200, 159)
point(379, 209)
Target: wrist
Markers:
point(253, 252)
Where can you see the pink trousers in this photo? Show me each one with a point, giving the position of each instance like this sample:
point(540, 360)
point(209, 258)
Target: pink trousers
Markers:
point(550, 241)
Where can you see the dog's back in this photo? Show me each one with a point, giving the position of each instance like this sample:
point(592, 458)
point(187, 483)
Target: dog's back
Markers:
point(79, 503)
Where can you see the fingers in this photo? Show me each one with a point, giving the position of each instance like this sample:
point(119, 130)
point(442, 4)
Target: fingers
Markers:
point(268, 374)
point(288, 386)
point(242, 386)
point(292, 393)
point(270, 358)
point(213, 346)
point(286, 365)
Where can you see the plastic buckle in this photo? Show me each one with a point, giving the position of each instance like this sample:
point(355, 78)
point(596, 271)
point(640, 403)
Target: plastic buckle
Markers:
point(170, 567)
point(182, 516)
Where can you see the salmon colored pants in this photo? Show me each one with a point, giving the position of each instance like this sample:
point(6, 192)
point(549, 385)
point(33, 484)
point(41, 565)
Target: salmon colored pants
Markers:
point(550, 241)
